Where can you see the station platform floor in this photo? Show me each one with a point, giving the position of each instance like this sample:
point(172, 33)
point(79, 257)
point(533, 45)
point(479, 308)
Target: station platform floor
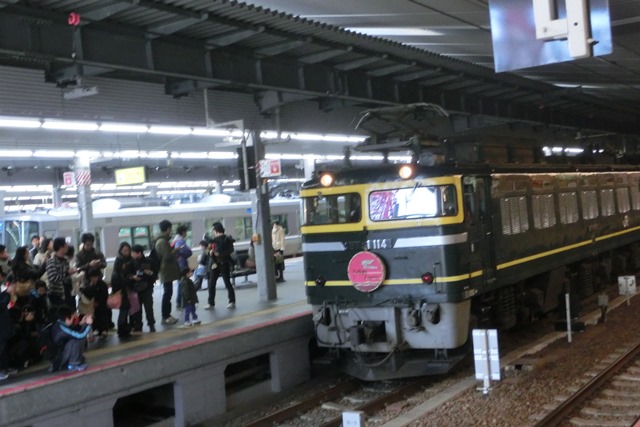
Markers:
point(250, 312)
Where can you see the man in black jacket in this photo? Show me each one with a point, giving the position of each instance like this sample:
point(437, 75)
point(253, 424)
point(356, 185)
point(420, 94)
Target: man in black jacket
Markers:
point(6, 329)
point(220, 265)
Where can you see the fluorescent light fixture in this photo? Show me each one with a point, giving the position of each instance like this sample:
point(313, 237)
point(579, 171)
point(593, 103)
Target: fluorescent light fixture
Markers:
point(64, 125)
point(16, 153)
point(127, 154)
point(157, 154)
point(394, 31)
point(210, 132)
point(366, 158)
point(188, 155)
point(170, 130)
point(19, 123)
point(87, 154)
point(573, 150)
point(123, 128)
point(342, 138)
point(556, 149)
point(58, 154)
point(221, 155)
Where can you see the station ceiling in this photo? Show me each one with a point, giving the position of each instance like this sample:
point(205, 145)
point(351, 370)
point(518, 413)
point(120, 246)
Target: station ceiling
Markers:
point(283, 51)
point(284, 64)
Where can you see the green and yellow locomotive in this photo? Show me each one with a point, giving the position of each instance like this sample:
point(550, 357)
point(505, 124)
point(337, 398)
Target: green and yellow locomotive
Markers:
point(401, 260)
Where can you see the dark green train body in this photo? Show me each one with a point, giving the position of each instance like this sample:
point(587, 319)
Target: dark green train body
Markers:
point(455, 246)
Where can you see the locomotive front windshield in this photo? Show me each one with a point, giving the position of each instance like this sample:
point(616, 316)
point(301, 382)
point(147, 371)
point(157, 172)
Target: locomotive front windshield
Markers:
point(332, 209)
point(413, 202)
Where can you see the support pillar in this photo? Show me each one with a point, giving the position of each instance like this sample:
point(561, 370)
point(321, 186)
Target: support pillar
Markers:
point(56, 195)
point(2, 194)
point(83, 183)
point(290, 365)
point(309, 168)
point(199, 396)
point(261, 218)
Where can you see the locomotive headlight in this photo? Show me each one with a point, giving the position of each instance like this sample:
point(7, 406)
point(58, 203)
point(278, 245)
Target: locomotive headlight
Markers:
point(326, 180)
point(427, 278)
point(405, 171)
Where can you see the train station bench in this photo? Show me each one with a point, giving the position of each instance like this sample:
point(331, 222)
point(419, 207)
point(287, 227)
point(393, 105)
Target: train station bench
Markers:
point(240, 269)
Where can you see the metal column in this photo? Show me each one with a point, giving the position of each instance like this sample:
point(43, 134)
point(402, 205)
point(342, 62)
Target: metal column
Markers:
point(83, 182)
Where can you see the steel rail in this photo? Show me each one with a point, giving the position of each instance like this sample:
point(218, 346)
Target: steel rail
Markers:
point(569, 406)
point(305, 405)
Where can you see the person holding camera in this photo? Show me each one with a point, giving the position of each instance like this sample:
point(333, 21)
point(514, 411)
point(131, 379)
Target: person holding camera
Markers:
point(143, 284)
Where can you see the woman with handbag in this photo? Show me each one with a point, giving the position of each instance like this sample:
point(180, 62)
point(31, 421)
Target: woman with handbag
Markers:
point(122, 282)
point(24, 273)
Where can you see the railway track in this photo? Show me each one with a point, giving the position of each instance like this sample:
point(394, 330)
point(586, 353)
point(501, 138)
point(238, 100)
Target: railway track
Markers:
point(610, 399)
point(359, 397)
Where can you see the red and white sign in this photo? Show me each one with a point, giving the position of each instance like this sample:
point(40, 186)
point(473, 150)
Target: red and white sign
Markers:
point(68, 180)
point(366, 271)
point(270, 168)
point(83, 177)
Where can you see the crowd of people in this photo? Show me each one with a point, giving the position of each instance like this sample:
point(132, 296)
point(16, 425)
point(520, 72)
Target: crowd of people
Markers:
point(54, 300)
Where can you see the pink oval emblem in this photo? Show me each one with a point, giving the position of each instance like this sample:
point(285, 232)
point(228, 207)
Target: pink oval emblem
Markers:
point(366, 271)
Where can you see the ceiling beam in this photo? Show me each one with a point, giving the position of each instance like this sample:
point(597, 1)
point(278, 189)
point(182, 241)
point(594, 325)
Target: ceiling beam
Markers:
point(314, 58)
point(234, 36)
point(279, 48)
point(173, 25)
point(384, 71)
point(416, 75)
point(357, 63)
point(105, 8)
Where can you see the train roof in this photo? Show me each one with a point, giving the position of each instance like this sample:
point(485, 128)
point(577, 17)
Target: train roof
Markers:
point(70, 213)
point(386, 172)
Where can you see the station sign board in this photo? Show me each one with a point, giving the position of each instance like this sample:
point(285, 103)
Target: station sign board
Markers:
point(270, 168)
point(131, 176)
point(529, 33)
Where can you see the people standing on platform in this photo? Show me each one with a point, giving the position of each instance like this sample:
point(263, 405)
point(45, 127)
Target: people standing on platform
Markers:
point(96, 291)
point(5, 260)
point(70, 339)
point(6, 328)
point(88, 257)
point(169, 271)
point(182, 257)
point(44, 252)
point(59, 276)
point(189, 298)
point(25, 274)
point(277, 241)
point(35, 247)
point(122, 281)
point(203, 262)
point(143, 284)
point(220, 264)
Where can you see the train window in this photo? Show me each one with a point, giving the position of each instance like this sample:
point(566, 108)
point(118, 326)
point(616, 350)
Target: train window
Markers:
point(622, 196)
point(513, 212)
point(635, 197)
point(607, 206)
point(568, 207)
point(413, 202)
point(544, 211)
point(135, 236)
point(332, 209)
point(18, 233)
point(589, 204)
point(243, 228)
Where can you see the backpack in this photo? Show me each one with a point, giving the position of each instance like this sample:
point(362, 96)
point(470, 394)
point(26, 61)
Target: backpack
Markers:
point(154, 261)
point(48, 349)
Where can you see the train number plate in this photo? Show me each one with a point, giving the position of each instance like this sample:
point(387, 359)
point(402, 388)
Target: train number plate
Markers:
point(373, 244)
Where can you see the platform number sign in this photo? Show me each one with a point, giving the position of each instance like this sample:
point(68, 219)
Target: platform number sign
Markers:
point(69, 179)
point(270, 168)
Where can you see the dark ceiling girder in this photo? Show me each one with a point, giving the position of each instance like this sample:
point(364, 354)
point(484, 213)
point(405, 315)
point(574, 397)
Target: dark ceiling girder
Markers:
point(271, 99)
point(185, 87)
point(234, 36)
point(314, 58)
point(173, 25)
point(439, 80)
point(385, 71)
point(183, 59)
point(352, 65)
point(105, 8)
point(71, 74)
point(460, 85)
point(416, 75)
point(279, 48)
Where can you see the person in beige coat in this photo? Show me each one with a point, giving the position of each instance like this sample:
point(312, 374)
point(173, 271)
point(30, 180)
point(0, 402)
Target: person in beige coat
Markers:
point(277, 240)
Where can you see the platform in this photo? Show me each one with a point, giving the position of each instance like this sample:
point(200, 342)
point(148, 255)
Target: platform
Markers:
point(189, 374)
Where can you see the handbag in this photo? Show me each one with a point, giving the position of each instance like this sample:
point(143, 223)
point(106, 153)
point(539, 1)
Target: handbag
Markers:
point(114, 301)
point(24, 288)
point(134, 302)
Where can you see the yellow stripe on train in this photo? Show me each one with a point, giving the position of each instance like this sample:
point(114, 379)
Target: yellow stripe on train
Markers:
point(404, 281)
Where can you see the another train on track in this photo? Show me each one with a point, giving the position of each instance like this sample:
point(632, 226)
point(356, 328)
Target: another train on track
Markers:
point(402, 260)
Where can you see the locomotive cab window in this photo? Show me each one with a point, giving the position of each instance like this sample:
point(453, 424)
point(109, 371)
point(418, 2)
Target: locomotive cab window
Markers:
point(413, 202)
point(332, 209)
